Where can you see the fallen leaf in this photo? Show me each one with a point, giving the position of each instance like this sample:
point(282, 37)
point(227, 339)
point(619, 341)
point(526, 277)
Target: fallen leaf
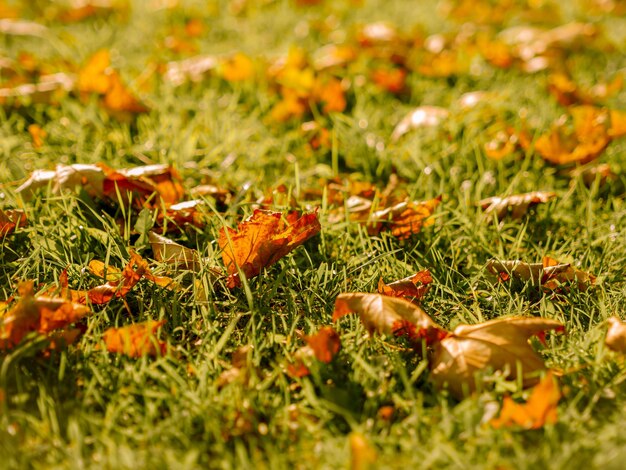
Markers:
point(415, 286)
point(39, 314)
point(193, 69)
point(403, 219)
point(616, 335)
point(136, 340)
point(501, 344)
point(325, 344)
point(37, 134)
point(10, 219)
point(16, 27)
point(550, 274)
point(169, 252)
point(383, 314)
point(423, 116)
point(540, 408)
point(263, 239)
point(514, 206)
point(237, 68)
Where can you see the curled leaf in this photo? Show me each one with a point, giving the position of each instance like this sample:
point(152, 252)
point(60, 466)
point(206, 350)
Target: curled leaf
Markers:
point(414, 286)
point(550, 274)
point(262, 240)
point(501, 344)
point(381, 313)
point(539, 410)
point(40, 314)
point(515, 206)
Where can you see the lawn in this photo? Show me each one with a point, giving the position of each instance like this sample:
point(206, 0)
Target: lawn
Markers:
point(386, 122)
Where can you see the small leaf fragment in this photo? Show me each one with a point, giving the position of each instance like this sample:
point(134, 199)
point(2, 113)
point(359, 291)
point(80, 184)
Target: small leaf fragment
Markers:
point(136, 340)
point(539, 410)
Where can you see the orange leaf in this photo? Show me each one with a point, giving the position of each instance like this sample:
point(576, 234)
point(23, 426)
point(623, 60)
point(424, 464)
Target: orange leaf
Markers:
point(37, 314)
point(331, 94)
point(414, 286)
point(539, 410)
point(38, 135)
point(95, 76)
point(263, 239)
point(237, 68)
point(10, 219)
point(325, 344)
point(136, 340)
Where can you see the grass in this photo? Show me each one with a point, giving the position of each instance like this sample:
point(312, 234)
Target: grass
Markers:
point(84, 407)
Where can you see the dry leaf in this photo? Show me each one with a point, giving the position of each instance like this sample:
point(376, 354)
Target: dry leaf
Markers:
point(194, 69)
point(383, 314)
point(325, 344)
point(263, 239)
point(539, 410)
point(169, 252)
point(616, 335)
point(10, 219)
point(40, 314)
point(403, 219)
point(514, 206)
point(423, 116)
point(550, 274)
point(17, 27)
point(136, 340)
point(37, 134)
point(501, 344)
point(414, 286)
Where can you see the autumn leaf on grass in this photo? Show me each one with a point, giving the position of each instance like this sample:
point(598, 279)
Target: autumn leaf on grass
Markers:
point(263, 239)
point(514, 206)
point(237, 68)
point(500, 344)
point(323, 346)
point(550, 274)
point(39, 314)
point(423, 116)
point(413, 287)
point(540, 408)
point(567, 92)
point(403, 219)
point(457, 357)
point(10, 219)
point(616, 335)
point(119, 283)
point(98, 77)
point(384, 314)
point(101, 181)
point(136, 340)
point(593, 130)
point(37, 134)
point(170, 252)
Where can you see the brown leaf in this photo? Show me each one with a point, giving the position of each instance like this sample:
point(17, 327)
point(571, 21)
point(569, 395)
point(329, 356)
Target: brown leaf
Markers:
point(501, 344)
point(539, 410)
point(616, 335)
point(414, 286)
point(550, 274)
point(515, 206)
point(382, 314)
point(403, 219)
point(262, 240)
point(136, 340)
